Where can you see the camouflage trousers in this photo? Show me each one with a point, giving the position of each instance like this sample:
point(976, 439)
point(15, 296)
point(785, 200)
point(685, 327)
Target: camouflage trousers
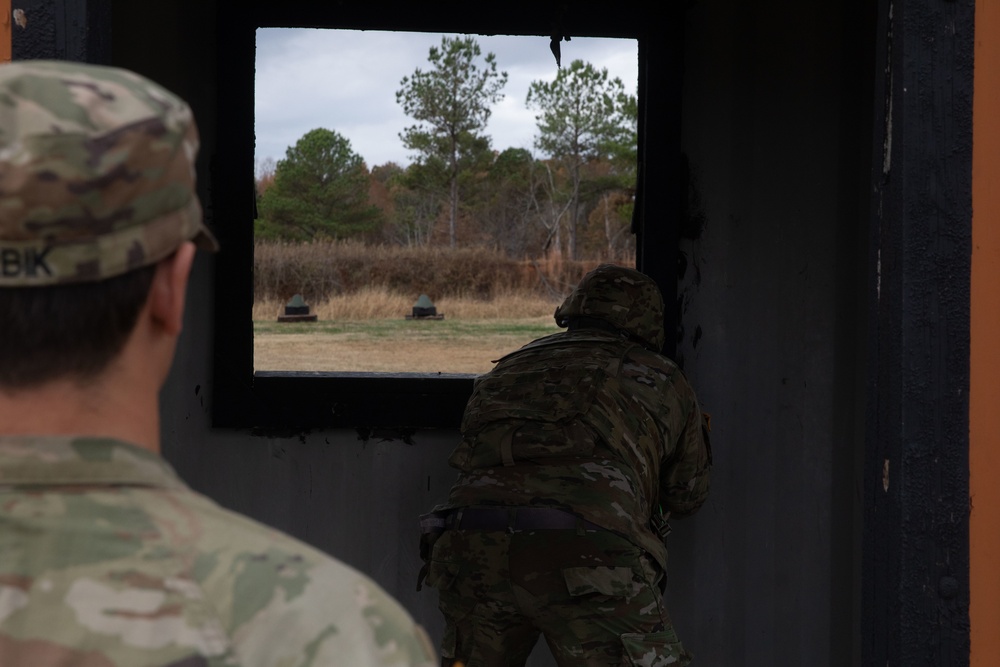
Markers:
point(592, 594)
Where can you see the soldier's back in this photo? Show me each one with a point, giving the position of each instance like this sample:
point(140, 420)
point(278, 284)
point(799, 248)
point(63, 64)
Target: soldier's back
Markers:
point(107, 559)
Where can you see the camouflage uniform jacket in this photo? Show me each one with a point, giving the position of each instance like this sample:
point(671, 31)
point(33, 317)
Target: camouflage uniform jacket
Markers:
point(587, 422)
point(107, 559)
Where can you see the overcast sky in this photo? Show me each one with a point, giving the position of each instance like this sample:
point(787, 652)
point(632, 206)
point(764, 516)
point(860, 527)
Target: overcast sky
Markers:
point(346, 80)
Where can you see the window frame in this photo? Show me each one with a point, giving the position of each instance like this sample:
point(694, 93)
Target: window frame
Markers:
point(298, 401)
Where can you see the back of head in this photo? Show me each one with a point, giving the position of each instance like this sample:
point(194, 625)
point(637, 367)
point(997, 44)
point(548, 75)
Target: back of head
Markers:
point(621, 298)
point(97, 185)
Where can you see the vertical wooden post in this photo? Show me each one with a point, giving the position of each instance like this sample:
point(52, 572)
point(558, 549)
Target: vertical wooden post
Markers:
point(984, 395)
point(5, 24)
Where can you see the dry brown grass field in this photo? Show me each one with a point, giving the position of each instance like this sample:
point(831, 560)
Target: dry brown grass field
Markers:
point(361, 294)
point(368, 331)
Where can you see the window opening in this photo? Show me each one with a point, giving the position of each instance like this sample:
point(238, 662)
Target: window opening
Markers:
point(371, 195)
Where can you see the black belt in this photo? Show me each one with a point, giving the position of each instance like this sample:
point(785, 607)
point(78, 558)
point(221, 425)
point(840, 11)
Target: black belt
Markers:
point(516, 518)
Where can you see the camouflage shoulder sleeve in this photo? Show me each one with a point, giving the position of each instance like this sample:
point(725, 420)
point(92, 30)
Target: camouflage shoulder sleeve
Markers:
point(686, 473)
point(339, 617)
point(122, 576)
point(291, 604)
point(678, 429)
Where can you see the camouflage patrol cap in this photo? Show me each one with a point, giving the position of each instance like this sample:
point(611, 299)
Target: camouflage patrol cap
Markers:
point(96, 173)
point(620, 296)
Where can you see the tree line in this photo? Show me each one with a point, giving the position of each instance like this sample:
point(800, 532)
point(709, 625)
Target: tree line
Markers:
point(575, 200)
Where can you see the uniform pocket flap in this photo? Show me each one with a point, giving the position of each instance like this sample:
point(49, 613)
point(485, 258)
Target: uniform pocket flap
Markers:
point(441, 574)
point(611, 581)
point(657, 649)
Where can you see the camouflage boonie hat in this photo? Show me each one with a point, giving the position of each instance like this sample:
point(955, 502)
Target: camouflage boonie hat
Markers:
point(96, 173)
point(620, 296)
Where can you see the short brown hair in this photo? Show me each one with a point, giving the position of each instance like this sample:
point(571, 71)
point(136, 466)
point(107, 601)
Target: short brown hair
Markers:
point(68, 331)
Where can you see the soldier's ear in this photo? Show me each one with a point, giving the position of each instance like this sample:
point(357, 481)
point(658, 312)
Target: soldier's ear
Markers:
point(167, 294)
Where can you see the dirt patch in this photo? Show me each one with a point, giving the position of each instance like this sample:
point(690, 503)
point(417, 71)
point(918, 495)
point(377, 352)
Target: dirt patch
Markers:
point(323, 352)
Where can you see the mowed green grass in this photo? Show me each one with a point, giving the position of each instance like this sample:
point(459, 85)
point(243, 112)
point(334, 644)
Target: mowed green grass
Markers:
point(392, 345)
point(368, 332)
point(403, 329)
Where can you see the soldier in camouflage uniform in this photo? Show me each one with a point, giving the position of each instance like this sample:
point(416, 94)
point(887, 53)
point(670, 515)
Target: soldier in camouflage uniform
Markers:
point(575, 451)
point(106, 557)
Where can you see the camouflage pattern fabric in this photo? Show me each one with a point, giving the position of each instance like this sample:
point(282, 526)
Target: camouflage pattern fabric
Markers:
point(592, 422)
point(586, 422)
point(592, 594)
point(107, 559)
point(96, 173)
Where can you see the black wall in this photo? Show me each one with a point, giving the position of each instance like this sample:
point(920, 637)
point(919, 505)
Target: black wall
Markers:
point(776, 126)
point(808, 372)
point(916, 559)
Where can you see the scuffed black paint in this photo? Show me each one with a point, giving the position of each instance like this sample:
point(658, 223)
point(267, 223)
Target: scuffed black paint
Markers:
point(38, 38)
point(692, 219)
point(79, 31)
point(405, 435)
point(916, 535)
point(691, 225)
point(280, 433)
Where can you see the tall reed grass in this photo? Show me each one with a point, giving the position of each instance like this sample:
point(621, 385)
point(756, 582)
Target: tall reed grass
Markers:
point(376, 303)
point(325, 272)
